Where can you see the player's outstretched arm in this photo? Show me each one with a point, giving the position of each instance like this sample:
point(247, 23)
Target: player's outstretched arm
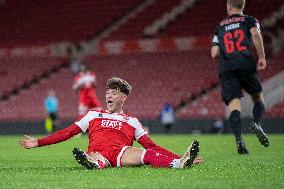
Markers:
point(28, 142)
point(59, 136)
point(258, 43)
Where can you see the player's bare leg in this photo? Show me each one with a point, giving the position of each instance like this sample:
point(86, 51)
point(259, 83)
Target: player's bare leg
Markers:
point(132, 157)
point(258, 111)
point(235, 122)
point(101, 159)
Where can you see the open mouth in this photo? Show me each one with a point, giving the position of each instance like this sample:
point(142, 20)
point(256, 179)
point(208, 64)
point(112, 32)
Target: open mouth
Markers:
point(110, 102)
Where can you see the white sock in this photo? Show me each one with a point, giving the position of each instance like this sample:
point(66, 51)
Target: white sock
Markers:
point(175, 163)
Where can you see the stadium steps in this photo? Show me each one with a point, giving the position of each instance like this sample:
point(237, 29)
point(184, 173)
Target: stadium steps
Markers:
point(168, 17)
point(89, 45)
point(273, 90)
point(162, 77)
point(276, 111)
point(204, 104)
point(29, 73)
point(124, 19)
point(28, 104)
point(208, 102)
point(189, 76)
point(133, 29)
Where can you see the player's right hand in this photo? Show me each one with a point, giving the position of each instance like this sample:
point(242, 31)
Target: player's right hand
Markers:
point(28, 142)
point(198, 160)
point(261, 64)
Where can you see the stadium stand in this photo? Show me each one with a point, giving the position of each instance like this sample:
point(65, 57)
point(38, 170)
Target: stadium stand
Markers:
point(208, 106)
point(18, 72)
point(274, 66)
point(211, 105)
point(29, 22)
point(134, 27)
point(157, 77)
point(273, 31)
point(207, 14)
point(162, 77)
point(187, 20)
point(168, 17)
point(28, 104)
point(276, 111)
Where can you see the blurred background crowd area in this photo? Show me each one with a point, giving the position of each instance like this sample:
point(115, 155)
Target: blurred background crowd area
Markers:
point(161, 47)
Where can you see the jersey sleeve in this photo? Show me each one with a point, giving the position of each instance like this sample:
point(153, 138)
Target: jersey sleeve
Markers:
point(253, 22)
point(84, 122)
point(60, 135)
point(215, 40)
point(139, 129)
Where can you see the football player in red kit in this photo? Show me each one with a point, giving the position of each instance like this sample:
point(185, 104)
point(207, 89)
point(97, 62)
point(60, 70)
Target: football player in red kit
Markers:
point(111, 136)
point(85, 84)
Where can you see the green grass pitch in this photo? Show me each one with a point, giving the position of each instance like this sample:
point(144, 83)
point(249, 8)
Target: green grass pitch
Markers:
point(55, 167)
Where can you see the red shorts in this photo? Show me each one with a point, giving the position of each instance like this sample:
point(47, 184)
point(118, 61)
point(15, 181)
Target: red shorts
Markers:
point(113, 154)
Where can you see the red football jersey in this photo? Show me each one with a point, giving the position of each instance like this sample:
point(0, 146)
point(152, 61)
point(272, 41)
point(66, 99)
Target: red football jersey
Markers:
point(107, 130)
point(84, 80)
point(87, 95)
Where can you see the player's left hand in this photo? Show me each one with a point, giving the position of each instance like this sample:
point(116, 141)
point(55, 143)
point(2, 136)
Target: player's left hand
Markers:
point(261, 64)
point(198, 160)
point(29, 142)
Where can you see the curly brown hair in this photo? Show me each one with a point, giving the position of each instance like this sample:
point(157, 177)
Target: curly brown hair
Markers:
point(119, 84)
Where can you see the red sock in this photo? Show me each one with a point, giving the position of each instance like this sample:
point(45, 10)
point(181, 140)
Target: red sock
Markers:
point(153, 158)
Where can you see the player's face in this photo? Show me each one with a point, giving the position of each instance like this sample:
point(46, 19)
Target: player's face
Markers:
point(115, 100)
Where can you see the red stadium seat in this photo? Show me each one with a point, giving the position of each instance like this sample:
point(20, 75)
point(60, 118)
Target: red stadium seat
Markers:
point(42, 22)
point(156, 78)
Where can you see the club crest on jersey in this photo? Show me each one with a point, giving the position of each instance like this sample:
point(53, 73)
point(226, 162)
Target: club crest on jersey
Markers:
point(126, 118)
point(112, 124)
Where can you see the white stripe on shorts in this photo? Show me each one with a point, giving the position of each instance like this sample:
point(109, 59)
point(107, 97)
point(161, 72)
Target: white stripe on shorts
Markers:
point(118, 159)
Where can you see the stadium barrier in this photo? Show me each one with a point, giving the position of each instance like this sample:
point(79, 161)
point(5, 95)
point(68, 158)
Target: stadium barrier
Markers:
point(113, 47)
point(194, 126)
point(153, 45)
